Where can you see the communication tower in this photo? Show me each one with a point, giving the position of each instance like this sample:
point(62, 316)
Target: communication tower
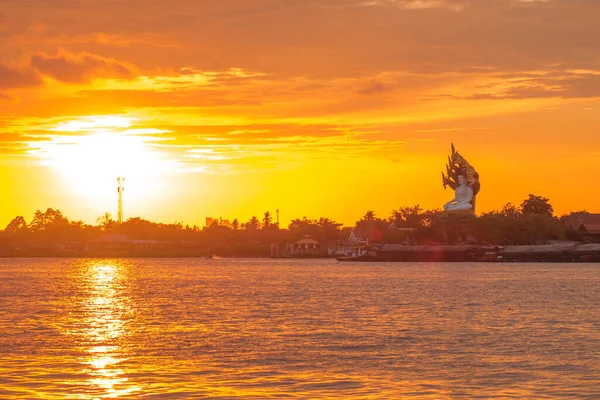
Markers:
point(277, 216)
point(120, 189)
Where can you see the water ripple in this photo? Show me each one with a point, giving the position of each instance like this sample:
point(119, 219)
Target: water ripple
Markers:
point(267, 329)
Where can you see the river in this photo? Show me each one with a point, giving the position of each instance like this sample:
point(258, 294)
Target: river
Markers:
point(309, 329)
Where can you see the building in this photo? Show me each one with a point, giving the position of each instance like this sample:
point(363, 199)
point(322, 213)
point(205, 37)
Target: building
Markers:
point(590, 229)
point(211, 221)
point(307, 246)
point(147, 244)
point(111, 241)
point(588, 225)
point(219, 221)
point(351, 247)
point(71, 247)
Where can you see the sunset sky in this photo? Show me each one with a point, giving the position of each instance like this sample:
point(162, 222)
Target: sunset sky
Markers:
point(230, 108)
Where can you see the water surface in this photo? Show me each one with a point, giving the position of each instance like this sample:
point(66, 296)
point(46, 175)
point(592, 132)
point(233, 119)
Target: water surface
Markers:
point(225, 329)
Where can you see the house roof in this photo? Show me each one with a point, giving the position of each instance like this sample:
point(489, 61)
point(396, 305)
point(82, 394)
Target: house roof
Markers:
point(591, 227)
point(307, 241)
point(355, 239)
point(576, 220)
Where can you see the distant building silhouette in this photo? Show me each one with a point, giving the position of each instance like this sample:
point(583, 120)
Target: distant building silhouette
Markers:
point(211, 221)
point(306, 246)
point(354, 246)
point(219, 221)
point(587, 224)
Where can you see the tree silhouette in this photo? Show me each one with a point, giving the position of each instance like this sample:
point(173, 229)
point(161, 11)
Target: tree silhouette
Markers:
point(304, 226)
point(369, 215)
point(537, 205)
point(409, 217)
point(329, 229)
point(430, 216)
point(18, 224)
point(51, 219)
point(139, 228)
point(78, 225)
point(106, 222)
point(267, 220)
point(510, 211)
point(507, 226)
point(253, 224)
point(373, 228)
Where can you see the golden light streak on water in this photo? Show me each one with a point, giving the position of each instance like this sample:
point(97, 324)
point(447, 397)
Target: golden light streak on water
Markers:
point(106, 324)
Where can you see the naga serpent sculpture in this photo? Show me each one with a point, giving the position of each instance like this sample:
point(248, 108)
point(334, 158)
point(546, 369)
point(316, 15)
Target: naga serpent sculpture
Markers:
point(458, 166)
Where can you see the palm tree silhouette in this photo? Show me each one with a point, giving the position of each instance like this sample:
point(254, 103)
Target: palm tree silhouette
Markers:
point(267, 220)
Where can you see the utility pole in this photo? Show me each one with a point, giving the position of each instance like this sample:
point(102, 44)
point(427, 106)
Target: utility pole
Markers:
point(120, 189)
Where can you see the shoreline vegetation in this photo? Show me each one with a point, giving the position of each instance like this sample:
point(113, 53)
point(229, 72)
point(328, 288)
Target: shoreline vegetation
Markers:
point(51, 234)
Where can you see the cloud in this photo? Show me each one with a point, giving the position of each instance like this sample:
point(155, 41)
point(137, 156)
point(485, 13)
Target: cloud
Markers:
point(3, 22)
point(271, 66)
point(15, 77)
point(455, 5)
point(220, 149)
point(12, 143)
point(79, 67)
point(324, 37)
point(40, 34)
point(565, 85)
point(373, 87)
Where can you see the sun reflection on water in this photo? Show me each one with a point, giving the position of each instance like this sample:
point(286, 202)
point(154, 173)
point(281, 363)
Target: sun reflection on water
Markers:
point(105, 326)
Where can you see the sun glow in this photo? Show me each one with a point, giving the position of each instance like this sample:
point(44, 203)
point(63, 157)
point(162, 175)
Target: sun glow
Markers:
point(91, 153)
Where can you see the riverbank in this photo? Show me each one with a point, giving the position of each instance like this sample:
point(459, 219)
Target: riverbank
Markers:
point(561, 252)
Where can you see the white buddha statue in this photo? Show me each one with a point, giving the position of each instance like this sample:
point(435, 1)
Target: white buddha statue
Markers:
point(463, 195)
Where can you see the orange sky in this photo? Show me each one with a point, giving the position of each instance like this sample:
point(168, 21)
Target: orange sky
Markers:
point(231, 108)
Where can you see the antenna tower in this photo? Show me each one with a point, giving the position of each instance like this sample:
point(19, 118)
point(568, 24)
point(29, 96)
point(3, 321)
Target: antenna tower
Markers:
point(277, 216)
point(120, 189)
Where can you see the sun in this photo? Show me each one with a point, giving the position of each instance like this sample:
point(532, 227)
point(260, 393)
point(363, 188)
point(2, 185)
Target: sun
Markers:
point(91, 153)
